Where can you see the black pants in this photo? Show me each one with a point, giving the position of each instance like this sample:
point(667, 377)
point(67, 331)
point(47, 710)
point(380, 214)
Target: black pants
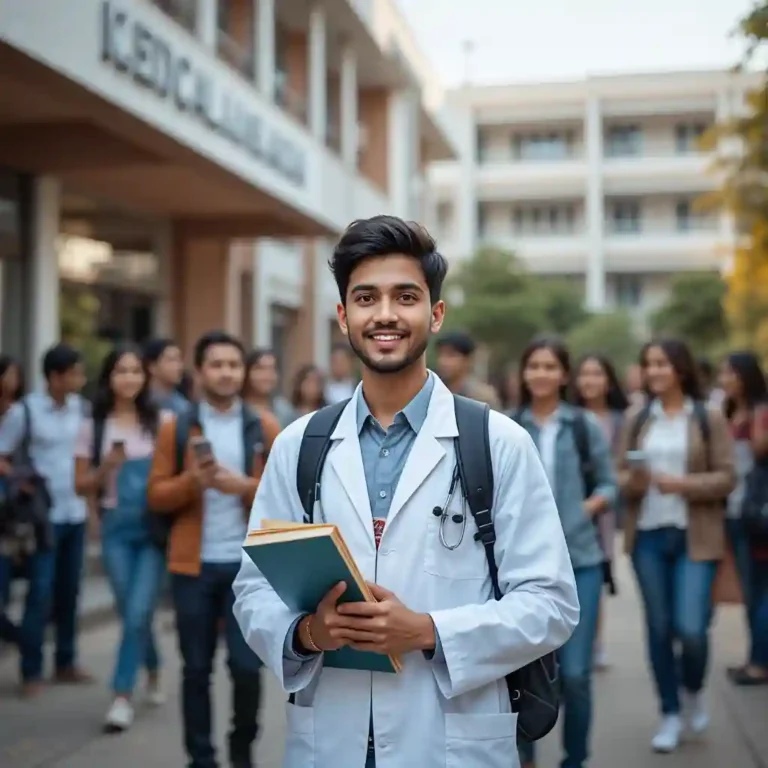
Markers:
point(202, 603)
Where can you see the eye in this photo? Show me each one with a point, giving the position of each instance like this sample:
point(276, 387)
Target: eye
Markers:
point(363, 298)
point(408, 298)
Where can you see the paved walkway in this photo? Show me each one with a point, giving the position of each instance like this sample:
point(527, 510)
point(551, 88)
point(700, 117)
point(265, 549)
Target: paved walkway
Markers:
point(61, 729)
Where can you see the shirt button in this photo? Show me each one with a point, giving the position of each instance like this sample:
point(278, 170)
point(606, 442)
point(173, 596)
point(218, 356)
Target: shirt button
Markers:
point(385, 452)
point(382, 494)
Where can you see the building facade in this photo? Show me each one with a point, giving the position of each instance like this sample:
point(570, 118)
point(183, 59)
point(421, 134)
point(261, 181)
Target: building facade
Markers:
point(598, 181)
point(171, 166)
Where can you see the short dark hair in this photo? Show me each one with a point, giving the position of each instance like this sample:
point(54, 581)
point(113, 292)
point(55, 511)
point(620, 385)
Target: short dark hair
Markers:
point(60, 358)
point(155, 348)
point(213, 339)
point(383, 236)
point(458, 341)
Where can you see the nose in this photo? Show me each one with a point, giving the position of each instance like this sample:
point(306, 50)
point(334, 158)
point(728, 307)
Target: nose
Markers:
point(386, 311)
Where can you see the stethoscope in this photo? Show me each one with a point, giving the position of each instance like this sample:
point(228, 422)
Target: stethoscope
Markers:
point(460, 518)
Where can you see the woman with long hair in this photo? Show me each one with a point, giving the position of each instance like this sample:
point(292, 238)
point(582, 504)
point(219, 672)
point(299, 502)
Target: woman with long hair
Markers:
point(746, 408)
point(597, 389)
point(563, 433)
point(675, 472)
point(112, 463)
point(260, 386)
point(308, 390)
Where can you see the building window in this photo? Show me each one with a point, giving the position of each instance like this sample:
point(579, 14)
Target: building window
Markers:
point(481, 140)
point(629, 291)
point(687, 137)
point(542, 146)
point(624, 141)
point(625, 217)
point(683, 215)
point(443, 216)
point(546, 220)
point(482, 220)
point(184, 12)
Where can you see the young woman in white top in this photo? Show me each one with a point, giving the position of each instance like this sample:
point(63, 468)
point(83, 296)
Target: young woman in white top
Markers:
point(675, 472)
point(116, 472)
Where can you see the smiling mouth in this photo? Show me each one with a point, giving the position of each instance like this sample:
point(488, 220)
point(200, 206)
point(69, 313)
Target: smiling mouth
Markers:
point(386, 336)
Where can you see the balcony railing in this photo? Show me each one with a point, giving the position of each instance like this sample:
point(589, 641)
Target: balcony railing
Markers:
point(184, 12)
point(489, 157)
point(681, 226)
point(240, 57)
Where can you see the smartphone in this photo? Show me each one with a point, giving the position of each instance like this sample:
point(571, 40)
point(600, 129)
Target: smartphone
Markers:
point(119, 445)
point(636, 458)
point(202, 450)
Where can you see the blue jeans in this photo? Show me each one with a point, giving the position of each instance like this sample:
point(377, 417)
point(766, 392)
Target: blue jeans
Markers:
point(202, 603)
point(754, 587)
point(135, 568)
point(53, 592)
point(576, 673)
point(9, 632)
point(677, 597)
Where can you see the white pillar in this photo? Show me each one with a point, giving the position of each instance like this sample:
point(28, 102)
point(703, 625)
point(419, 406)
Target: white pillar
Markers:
point(466, 196)
point(403, 152)
point(595, 207)
point(318, 75)
point(265, 47)
point(324, 308)
point(349, 136)
point(262, 315)
point(44, 311)
point(163, 242)
point(207, 17)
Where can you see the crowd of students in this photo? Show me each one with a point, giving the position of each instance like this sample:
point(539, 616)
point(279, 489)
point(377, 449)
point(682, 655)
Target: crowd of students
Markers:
point(667, 461)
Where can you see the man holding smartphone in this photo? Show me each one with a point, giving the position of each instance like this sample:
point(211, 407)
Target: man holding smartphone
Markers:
point(210, 498)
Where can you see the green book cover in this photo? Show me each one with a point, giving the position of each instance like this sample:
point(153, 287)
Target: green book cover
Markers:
point(302, 571)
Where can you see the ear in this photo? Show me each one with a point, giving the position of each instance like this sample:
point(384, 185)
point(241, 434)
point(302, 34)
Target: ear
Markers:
point(438, 316)
point(341, 314)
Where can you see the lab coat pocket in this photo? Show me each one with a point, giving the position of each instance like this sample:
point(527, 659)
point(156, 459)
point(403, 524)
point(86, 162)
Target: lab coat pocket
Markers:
point(488, 740)
point(300, 736)
point(466, 560)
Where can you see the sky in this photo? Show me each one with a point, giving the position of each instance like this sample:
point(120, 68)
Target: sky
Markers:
point(545, 40)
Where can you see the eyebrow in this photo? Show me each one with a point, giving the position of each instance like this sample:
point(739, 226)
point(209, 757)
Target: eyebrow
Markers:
point(397, 287)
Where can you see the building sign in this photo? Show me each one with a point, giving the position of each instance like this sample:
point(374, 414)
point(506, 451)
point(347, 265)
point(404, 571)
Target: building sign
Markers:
point(133, 48)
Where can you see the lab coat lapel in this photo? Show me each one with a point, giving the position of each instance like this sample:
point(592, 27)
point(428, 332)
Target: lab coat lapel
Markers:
point(427, 450)
point(346, 461)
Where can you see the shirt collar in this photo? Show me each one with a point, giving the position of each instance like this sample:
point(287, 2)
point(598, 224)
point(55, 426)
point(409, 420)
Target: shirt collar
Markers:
point(657, 409)
point(207, 411)
point(415, 413)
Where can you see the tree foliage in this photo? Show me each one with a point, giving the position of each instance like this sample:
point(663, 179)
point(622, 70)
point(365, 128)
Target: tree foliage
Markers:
point(610, 334)
point(694, 311)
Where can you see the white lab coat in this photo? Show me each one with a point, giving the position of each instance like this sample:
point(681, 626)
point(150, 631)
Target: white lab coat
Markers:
point(454, 713)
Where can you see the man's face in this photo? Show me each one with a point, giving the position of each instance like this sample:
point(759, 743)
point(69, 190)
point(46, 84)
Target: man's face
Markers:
point(452, 366)
point(70, 382)
point(169, 367)
point(388, 315)
point(222, 372)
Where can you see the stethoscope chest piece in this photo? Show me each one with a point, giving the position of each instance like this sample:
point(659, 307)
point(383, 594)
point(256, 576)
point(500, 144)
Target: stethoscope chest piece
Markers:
point(459, 518)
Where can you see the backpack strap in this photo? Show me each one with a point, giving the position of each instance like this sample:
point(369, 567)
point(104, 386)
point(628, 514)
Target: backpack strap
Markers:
point(315, 444)
point(253, 438)
point(99, 426)
point(702, 418)
point(580, 430)
point(185, 421)
point(637, 427)
point(473, 458)
point(24, 449)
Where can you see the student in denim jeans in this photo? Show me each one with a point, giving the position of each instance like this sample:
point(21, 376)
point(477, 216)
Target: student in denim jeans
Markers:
point(545, 371)
point(597, 388)
point(675, 480)
point(117, 471)
point(746, 407)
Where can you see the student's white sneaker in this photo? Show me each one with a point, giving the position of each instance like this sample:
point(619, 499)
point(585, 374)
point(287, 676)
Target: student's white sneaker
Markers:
point(120, 716)
point(155, 693)
point(667, 738)
point(696, 714)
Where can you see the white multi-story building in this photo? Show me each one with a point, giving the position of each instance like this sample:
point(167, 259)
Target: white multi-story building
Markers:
point(186, 163)
point(597, 180)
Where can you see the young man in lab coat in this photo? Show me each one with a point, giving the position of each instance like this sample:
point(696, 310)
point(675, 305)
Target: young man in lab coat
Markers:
point(390, 464)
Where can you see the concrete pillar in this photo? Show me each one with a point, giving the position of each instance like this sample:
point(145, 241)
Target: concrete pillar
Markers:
point(595, 207)
point(349, 106)
point(262, 316)
point(466, 201)
point(265, 46)
point(322, 307)
point(318, 75)
point(208, 22)
point(43, 314)
point(164, 311)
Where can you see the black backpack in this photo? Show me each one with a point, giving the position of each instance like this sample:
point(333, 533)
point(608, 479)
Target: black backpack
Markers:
point(534, 690)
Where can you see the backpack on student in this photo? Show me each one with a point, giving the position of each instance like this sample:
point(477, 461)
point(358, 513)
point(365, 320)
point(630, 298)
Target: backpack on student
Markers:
point(699, 413)
point(534, 690)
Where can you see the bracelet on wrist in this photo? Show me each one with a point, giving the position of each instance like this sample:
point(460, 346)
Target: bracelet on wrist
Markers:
point(312, 645)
